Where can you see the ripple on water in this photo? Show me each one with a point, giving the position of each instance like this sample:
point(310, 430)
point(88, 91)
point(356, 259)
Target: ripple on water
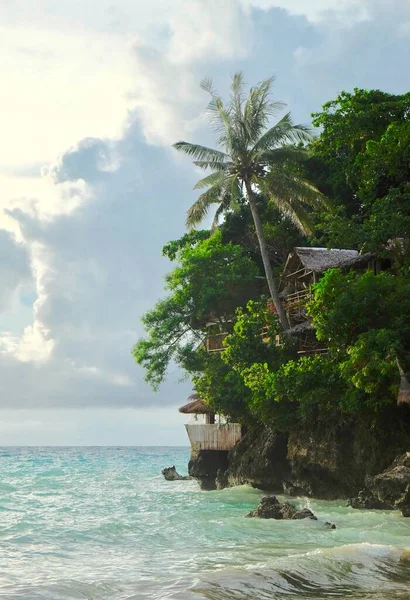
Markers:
point(101, 523)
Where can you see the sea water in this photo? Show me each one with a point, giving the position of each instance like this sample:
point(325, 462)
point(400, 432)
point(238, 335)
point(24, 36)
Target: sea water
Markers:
point(103, 524)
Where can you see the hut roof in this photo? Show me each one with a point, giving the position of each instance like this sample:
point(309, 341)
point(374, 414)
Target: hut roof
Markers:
point(196, 406)
point(320, 259)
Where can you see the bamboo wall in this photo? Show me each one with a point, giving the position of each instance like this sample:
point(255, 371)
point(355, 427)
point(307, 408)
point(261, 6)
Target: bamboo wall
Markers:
point(214, 437)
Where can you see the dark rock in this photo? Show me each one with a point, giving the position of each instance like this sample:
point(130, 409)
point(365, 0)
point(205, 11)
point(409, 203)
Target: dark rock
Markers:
point(271, 508)
point(392, 487)
point(334, 460)
point(205, 465)
point(221, 480)
point(291, 489)
point(305, 513)
point(259, 460)
point(367, 500)
point(330, 525)
point(171, 474)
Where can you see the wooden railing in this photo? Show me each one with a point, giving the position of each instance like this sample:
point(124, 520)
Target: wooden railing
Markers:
point(214, 437)
point(213, 343)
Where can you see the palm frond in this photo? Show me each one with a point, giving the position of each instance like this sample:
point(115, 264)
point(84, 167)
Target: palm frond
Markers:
point(297, 213)
point(282, 155)
point(237, 97)
point(219, 212)
point(215, 178)
point(258, 109)
point(209, 164)
point(293, 196)
point(199, 152)
point(199, 210)
point(283, 132)
point(207, 85)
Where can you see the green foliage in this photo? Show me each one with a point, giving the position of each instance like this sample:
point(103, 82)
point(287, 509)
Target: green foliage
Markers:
point(212, 279)
point(360, 156)
point(384, 163)
point(252, 348)
point(190, 240)
point(346, 305)
point(281, 234)
point(223, 389)
point(364, 320)
point(347, 124)
point(371, 365)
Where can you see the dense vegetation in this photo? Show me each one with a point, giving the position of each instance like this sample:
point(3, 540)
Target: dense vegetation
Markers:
point(360, 162)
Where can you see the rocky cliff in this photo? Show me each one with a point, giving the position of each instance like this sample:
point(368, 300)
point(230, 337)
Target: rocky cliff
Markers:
point(327, 460)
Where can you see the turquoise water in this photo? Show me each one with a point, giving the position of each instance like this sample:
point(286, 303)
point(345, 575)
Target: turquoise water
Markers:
point(103, 524)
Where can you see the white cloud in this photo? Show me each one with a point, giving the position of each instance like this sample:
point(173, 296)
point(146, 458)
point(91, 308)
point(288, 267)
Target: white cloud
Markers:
point(89, 231)
point(77, 86)
point(317, 10)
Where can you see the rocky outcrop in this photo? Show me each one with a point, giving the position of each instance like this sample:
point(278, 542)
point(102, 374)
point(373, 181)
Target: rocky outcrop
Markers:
point(208, 465)
point(388, 490)
point(368, 501)
point(171, 474)
point(271, 508)
point(392, 487)
point(328, 460)
point(260, 460)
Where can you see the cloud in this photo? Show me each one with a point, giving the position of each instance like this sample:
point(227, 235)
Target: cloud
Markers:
point(89, 231)
point(14, 269)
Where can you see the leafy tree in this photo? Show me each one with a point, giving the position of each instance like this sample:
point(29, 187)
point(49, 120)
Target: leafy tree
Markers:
point(360, 155)
point(212, 279)
point(223, 388)
point(347, 124)
point(253, 157)
point(346, 305)
point(364, 320)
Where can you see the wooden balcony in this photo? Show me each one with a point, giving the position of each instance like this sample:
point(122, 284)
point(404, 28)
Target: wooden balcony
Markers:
point(214, 437)
point(213, 343)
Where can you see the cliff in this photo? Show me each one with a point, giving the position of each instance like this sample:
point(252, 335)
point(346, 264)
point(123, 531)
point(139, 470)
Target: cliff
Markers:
point(328, 460)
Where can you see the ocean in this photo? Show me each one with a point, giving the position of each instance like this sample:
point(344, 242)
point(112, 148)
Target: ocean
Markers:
point(103, 524)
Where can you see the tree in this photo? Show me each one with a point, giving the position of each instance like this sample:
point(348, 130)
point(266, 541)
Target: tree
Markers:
point(253, 157)
point(348, 124)
point(212, 279)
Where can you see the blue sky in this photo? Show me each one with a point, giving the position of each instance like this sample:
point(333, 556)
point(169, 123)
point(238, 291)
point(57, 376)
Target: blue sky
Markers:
point(93, 96)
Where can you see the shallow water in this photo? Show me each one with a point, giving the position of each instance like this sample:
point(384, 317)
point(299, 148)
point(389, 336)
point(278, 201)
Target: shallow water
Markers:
point(103, 524)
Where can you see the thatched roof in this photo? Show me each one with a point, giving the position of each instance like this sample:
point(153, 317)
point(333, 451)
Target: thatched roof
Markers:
point(196, 406)
point(320, 259)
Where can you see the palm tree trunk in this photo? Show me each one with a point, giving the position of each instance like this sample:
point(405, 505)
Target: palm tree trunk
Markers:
point(265, 258)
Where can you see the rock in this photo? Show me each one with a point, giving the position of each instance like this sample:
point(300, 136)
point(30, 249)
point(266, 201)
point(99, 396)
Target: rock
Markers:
point(171, 474)
point(221, 480)
point(305, 513)
point(259, 460)
point(205, 465)
point(392, 487)
point(367, 500)
point(330, 525)
point(271, 508)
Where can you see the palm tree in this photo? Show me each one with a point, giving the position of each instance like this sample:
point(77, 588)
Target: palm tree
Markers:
point(253, 158)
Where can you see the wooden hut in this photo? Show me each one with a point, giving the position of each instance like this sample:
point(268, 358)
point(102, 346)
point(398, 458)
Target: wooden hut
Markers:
point(209, 435)
point(304, 267)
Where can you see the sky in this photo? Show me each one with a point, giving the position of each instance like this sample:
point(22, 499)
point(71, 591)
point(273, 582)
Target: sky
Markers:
point(94, 92)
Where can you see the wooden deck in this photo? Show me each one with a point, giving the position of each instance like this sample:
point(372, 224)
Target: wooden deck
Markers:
point(214, 437)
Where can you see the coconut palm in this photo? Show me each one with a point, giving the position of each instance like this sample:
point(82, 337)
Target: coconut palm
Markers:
point(253, 159)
